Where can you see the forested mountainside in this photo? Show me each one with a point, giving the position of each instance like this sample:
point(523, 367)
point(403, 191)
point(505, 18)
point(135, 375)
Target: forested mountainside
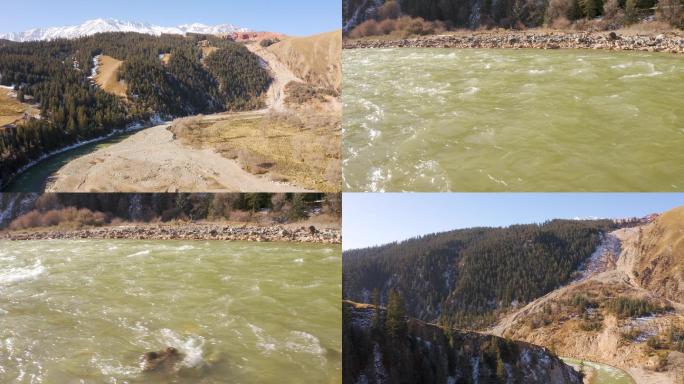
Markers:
point(510, 13)
point(58, 75)
point(625, 309)
point(462, 277)
point(24, 210)
point(382, 346)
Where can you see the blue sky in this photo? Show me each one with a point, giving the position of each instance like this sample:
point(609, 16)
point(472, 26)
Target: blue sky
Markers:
point(294, 17)
point(378, 218)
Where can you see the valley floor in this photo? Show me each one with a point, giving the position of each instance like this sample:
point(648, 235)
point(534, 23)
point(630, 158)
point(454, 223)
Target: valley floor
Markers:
point(153, 161)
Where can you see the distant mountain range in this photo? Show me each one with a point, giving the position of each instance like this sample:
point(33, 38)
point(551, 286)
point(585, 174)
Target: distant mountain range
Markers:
point(92, 27)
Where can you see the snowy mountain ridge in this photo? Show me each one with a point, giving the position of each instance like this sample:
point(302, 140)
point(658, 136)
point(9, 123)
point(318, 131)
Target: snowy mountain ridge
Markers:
point(92, 27)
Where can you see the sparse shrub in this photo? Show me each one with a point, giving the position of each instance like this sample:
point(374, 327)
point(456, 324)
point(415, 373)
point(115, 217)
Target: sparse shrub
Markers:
point(268, 42)
point(653, 342)
point(68, 217)
point(624, 307)
point(557, 11)
point(48, 201)
point(611, 10)
point(188, 128)
point(302, 93)
point(298, 207)
point(671, 11)
point(630, 334)
point(278, 200)
point(630, 12)
point(387, 26)
point(389, 10)
point(240, 216)
point(418, 26)
point(367, 28)
point(591, 325)
point(590, 8)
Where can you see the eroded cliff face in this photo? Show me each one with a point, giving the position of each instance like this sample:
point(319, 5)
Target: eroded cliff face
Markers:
point(427, 353)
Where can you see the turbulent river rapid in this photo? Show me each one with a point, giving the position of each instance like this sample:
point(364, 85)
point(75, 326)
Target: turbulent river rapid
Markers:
point(422, 119)
point(86, 311)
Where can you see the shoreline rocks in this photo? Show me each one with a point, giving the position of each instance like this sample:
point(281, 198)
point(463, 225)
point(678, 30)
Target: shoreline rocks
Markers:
point(194, 231)
point(671, 43)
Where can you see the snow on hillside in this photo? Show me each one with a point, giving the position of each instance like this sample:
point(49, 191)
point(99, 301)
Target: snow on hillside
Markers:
point(92, 27)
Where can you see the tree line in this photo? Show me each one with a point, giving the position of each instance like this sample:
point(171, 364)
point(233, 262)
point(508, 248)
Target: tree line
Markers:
point(146, 207)
point(511, 13)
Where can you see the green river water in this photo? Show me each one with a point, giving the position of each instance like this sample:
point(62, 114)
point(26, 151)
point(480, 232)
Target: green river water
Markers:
point(85, 311)
point(601, 373)
point(35, 178)
point(422, 119)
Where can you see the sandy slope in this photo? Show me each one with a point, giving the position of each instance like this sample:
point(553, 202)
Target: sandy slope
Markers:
point(152, 161)
point(106, 77)
point(315, 59)
point(275, 96)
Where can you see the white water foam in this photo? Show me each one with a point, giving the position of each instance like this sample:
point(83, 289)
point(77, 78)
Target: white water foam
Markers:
point(13, 275)
point(264, 342)
point(141, 253)
point(470, 91)
point(299, 341)
point(192, 347)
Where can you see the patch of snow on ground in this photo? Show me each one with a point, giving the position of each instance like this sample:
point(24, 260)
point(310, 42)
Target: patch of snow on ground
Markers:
point(96, 66)
point(605, 256)
point(380, 373)
point(475, 361)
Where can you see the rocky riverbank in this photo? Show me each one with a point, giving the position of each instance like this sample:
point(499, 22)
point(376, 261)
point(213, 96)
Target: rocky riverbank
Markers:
point(289, 233)
point(670, 42)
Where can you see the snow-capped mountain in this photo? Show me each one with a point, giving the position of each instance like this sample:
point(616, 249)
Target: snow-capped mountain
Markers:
point(92, 27)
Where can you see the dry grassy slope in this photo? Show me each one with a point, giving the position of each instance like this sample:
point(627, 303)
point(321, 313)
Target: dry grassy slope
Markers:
point(315, 59)
point(660, 267)
point(649, 266)
point(106, 76)
point(11, 109)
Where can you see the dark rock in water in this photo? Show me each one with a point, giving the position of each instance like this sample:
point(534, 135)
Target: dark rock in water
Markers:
point(162, 361)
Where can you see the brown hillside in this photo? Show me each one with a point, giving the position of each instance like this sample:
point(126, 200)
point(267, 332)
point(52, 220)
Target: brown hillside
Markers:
point(11, 110)
point(660, 267)
point(649, 268)
point(106, 76)
point(315, 59)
